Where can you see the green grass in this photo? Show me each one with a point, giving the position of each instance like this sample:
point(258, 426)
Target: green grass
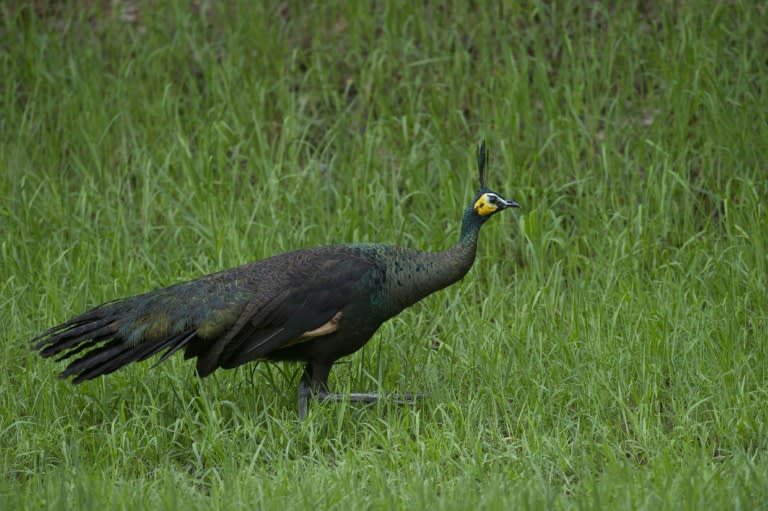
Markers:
point(607, 351)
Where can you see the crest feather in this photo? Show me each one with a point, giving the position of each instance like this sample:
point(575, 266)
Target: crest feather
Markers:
point(482, 161)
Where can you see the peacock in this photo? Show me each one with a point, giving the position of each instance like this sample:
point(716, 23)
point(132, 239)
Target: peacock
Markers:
point(312, 306)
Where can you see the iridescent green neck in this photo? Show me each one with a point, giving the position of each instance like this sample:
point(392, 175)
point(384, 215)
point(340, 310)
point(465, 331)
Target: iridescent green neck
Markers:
point(470, 226)
point(418, 274)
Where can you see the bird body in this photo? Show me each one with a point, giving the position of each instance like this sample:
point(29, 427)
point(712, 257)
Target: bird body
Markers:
point(313, 305)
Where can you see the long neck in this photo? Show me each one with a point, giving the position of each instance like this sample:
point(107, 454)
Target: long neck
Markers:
point(422, 273)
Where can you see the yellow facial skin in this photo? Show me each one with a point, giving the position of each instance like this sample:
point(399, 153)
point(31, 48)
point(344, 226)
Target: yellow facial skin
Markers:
point(483, 207)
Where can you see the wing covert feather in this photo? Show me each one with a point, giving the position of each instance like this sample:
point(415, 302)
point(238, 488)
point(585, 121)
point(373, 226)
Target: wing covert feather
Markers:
point(301, 297)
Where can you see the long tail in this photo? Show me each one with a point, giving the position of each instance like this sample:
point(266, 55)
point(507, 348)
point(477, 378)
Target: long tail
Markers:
point(96, 337)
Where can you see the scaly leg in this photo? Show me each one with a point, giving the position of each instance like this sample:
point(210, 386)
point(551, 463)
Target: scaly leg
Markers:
point(314, 384)
point(370, 397)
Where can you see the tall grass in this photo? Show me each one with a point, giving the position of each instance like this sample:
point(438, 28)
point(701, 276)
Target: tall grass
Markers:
point(607, 350)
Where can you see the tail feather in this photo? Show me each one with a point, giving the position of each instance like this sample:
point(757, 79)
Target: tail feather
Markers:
point(94, 359)
point(83, 346)
point(173, 349)
point(99, 347)
point(116, 354)
point(70, 339)
point(90, 316)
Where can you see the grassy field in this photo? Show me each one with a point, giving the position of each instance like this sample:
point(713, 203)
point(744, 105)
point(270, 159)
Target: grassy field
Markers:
point(607, 351)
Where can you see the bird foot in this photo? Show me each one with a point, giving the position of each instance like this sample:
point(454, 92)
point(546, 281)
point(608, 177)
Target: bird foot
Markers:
point(370, 397)
point(305, 392)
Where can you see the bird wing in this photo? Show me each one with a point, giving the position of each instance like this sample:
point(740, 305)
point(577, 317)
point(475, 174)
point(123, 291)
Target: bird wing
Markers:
point(301, 301)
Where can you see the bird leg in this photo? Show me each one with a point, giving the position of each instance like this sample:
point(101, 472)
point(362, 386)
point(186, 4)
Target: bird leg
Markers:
point(304, 391)
point(314, 384)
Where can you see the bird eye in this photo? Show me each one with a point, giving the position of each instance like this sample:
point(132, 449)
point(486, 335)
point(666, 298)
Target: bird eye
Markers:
point(492, 199)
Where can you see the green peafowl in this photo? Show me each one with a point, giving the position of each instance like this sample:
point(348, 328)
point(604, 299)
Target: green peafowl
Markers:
point(313, 306)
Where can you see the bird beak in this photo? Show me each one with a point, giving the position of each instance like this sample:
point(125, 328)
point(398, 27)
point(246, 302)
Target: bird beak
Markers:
point(510, 204)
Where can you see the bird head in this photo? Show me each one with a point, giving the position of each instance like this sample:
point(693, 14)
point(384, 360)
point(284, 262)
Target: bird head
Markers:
point(487, 203)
